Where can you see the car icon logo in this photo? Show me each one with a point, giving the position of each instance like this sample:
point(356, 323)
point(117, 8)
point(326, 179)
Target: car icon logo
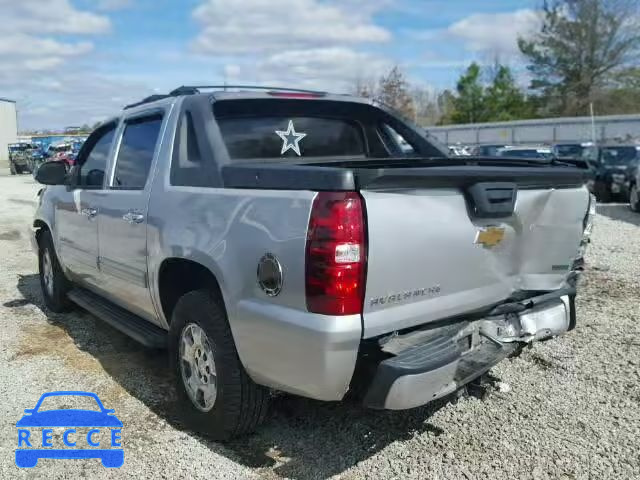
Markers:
point(87, 433)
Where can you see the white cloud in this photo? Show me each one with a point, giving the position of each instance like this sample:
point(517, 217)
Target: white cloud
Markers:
point(64, 98)
point(251, 26)
point(26, 46)
point(334, 68)
point(54, 17)
point(41, 43)
point(32, 32)
point(495, 33)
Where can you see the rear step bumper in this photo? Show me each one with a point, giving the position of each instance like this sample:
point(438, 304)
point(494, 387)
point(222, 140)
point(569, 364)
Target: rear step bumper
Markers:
point(423, 370)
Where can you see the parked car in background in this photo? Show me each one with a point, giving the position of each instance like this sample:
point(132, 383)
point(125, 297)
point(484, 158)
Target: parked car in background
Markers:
point(526, 152)
point(62, 152)
point(37, 156)
point(614, 169)
point(568, 150)
point(486, 150)
point(458, 150)
point(20, 158)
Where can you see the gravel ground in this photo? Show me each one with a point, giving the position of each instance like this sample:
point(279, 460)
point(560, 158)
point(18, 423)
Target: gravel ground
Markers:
point(568, 409)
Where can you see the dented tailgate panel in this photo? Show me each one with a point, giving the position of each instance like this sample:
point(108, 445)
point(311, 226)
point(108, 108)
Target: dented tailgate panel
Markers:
point(429, 259)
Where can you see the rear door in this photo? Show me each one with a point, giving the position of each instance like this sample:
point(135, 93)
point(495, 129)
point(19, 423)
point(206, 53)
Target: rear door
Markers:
point(77, 215)
point(123, 214)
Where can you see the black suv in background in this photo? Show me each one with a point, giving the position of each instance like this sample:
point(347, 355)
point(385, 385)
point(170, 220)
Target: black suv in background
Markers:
point(614, 170)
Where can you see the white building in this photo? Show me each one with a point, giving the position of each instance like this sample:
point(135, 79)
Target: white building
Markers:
point(8, 128)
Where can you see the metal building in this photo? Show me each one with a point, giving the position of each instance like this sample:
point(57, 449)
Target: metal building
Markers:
point(609, 128)
point(8, 128)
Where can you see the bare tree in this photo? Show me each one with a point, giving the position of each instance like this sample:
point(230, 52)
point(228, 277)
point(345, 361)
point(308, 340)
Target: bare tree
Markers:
point(364, 86)
point(427, 108)
point(393, 91)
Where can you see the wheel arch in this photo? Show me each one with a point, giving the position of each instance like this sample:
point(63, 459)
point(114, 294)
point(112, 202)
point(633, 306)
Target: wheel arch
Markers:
point(192, 275)
point(40, 227)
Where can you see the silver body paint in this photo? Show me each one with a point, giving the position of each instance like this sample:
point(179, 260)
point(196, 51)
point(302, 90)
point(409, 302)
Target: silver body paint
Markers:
point(418, 240)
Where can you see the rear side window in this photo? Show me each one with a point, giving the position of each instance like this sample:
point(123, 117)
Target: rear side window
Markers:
point(258, 137)
point(191, 166)
point(398, 144)
point(136, 151)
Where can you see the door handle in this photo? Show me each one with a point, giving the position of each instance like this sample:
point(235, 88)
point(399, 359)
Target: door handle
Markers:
point(89, 212)
point(133, 217)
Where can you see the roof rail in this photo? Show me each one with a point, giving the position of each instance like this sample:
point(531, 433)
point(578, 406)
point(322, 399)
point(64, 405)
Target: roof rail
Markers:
point(193, 90)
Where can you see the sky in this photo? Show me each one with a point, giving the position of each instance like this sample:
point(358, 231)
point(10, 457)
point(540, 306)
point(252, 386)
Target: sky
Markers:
point(71, 62)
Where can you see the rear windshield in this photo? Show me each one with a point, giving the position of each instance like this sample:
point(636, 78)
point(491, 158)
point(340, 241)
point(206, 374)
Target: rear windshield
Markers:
point(259, 137)
point(315, 131)
point(569, 150)
point(523, 154)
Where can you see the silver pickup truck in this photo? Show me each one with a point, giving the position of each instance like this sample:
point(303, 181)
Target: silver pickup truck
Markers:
point(296, 241)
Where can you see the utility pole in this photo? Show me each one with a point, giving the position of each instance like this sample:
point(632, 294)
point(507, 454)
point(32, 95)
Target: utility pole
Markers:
point(593, 124)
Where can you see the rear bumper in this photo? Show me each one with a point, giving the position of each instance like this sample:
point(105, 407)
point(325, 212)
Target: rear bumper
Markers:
point(429, 364)
point(309, 355)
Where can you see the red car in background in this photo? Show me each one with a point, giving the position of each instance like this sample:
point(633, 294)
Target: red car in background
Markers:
point(63, 152)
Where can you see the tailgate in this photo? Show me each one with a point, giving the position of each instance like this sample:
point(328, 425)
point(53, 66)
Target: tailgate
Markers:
point(430, 257)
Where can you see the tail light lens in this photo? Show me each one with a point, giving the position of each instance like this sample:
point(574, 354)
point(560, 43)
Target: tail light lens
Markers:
point(336, 254)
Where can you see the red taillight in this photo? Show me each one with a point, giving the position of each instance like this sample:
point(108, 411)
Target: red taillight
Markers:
point(336, 254)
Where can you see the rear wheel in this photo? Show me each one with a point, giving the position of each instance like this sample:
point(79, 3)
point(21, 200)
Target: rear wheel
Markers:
point(220, 398)
point(634, 199)
point(53, 282)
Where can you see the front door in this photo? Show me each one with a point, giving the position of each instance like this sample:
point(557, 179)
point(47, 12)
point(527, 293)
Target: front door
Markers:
point(123, 216)
point(77, 214)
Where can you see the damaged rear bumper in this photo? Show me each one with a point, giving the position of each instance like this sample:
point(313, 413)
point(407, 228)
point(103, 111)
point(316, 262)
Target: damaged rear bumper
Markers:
point(425, 365)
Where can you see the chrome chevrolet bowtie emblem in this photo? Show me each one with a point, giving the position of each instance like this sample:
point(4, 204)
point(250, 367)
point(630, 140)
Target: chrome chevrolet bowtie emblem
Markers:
point(490, 236)
point(290, 139)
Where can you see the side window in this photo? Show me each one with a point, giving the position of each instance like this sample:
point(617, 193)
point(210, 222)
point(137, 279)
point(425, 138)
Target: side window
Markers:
point(189, 167)
point(93, 166)
point(136, 152)
point(399, 144)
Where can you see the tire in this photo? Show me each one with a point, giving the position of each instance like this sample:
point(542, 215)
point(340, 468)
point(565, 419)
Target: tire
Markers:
point(239, 405)
point(12, 168)
point(53, 282)
point(602, 192)
point(634, 198)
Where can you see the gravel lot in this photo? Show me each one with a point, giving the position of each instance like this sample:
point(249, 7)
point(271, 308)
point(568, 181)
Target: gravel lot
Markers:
point(566, 409)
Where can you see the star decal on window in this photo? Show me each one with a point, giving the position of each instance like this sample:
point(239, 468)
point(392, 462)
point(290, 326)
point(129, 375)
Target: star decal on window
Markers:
point(290, 139)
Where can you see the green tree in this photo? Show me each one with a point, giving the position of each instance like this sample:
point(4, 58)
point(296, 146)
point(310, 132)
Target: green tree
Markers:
point(580, 47)
point(470, 103)
point(504, 100)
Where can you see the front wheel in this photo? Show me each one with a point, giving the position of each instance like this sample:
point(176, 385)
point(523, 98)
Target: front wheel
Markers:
point(220, 399)
point(634, 199)
point(12, 168)
point(53, 282)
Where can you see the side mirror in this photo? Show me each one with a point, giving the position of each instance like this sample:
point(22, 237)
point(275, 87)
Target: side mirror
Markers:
point(51, 173)
point(29, 410)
